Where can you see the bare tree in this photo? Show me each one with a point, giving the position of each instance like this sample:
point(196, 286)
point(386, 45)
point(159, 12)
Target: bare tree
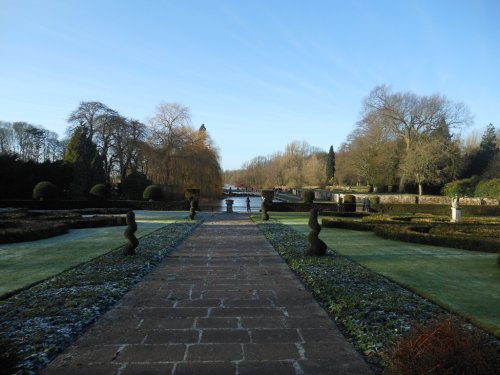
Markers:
point(87, 115)
point(431, 160)
point(410, 116)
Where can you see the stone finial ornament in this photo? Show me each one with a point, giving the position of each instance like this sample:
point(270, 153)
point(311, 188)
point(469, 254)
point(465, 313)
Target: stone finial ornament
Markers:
point(192, 208)
point(263, 208)
point(133, 242)
point(318, 247)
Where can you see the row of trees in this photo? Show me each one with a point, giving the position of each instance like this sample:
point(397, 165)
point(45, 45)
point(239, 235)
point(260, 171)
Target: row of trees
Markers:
point(299, 165)
point(106, 147)
point(30, 142)
point(402, 139)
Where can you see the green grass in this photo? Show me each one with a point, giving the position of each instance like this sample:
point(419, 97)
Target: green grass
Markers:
point(25, 263)
point(465, 282)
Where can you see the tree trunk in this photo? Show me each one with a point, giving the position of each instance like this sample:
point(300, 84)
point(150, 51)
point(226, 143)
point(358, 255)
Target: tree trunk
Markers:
point(420, 189)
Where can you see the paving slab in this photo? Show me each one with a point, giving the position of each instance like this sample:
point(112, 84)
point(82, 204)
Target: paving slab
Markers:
point(223, 303)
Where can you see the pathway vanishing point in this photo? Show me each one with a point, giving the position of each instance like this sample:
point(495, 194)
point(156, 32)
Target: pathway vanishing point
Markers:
point(223, 303)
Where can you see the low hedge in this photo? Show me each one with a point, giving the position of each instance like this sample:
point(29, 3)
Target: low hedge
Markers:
point(357, 215)
point(346, 224)
point(436, 209)
point(22, 230)
point(417, 234)
point(91, 204)
point(403, 231)
point(27, 230)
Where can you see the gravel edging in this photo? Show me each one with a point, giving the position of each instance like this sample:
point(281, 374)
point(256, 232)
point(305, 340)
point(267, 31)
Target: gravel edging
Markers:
point(42, 321)
point(370, 309)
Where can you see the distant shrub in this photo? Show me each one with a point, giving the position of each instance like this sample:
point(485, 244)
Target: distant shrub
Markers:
point(349, 198)
point(45, 190)
point(308, 196)
point(374, 200)
point(100, 191)
point(152, 193)
point(461, 188)
point(133, 185)
point(489, 188)
point(349, 204)
point(443, 347)
point(268, 194)
point(192, 194)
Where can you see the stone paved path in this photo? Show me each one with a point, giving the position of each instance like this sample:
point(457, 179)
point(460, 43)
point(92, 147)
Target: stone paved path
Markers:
point(223, 303)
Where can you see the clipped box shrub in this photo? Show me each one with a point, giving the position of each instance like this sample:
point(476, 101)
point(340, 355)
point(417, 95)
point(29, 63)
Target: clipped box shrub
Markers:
point(349, 204)
point(268, 194)
point(45, 190)
point(153, 193)
point(308, 196)
point(192, 193)
point(374, 200)
point(100, 191)
point(133, 185)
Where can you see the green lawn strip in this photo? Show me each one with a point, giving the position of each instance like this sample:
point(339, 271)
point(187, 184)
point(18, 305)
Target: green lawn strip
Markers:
point(466, 282)
point(25, 263)
point(41, 321)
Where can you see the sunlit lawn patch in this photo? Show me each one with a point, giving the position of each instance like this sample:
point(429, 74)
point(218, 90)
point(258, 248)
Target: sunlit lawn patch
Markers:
point(464, 281)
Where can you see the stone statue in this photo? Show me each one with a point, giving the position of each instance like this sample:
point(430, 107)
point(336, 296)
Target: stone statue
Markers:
point(192, 209)
point(318, 247)
point(129, 249)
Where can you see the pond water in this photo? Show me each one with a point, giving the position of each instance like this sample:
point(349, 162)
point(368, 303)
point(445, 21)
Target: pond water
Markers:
point(239, 205)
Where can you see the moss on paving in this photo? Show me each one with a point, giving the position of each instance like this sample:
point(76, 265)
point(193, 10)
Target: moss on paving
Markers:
point(466, 282)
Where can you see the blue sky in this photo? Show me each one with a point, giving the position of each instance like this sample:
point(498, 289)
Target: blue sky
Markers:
point(259, 74)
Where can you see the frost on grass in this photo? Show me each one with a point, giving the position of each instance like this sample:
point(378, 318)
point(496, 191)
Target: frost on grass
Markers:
point(41, 321)
point(370, 308)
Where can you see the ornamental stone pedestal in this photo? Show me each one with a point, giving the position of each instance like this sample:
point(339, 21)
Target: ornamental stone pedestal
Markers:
point(456, 214)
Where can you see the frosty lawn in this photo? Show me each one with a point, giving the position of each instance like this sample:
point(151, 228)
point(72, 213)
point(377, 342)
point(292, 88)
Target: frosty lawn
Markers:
point(24, 263)
point(466, 282)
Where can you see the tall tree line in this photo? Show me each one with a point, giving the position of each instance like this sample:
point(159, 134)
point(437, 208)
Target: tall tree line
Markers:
point(300, 164)
point(30, 142)
point(102, 146)
point(402, 141)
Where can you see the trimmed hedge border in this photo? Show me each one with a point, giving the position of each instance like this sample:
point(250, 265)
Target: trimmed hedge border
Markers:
point(401, 232)
point(436, 209)
point(31, 230)
point(406, 234)
point(68, 205)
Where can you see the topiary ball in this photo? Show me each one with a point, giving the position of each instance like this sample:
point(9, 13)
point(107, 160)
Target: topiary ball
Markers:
point(100, 191)
point(45, 190)
point(152, 193)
